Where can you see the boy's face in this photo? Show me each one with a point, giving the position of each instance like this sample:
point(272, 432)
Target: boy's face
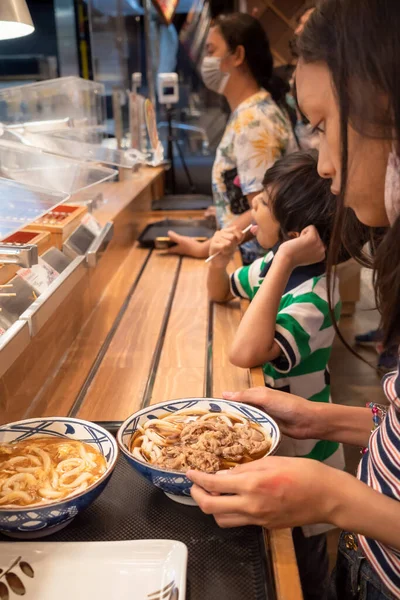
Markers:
point(267, 227)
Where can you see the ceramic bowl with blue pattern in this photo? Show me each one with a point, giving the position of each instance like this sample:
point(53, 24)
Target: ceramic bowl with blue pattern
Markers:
point(174, 483)
point(39, 521)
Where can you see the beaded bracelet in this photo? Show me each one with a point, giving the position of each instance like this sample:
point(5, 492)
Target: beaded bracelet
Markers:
point(379, 412)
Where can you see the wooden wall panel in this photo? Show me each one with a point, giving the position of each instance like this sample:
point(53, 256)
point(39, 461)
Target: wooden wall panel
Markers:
point(279, 20)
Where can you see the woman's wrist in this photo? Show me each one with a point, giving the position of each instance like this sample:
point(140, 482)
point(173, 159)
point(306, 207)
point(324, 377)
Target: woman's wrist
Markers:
point(337, 423)
point(355, 506)
point(334, 498)
point(342, 496)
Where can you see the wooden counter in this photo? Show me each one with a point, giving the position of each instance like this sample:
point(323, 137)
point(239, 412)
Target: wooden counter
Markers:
point(138, 330)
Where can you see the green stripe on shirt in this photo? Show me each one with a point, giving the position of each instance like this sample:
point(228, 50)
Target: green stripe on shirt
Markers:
point(243, 276)
point(317, 361)
point(301, 336)
point(322, 396)
point(328, 319)
point(322, 450)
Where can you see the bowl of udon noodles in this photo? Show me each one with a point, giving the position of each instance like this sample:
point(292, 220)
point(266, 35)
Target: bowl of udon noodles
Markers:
point(165, 440)
point(51, 469)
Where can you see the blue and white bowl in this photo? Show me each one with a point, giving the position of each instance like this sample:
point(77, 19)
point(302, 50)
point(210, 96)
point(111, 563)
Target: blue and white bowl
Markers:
point(39, 521)
point(174, 483)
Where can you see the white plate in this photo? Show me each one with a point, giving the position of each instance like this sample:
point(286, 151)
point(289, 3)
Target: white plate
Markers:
point(134, 570)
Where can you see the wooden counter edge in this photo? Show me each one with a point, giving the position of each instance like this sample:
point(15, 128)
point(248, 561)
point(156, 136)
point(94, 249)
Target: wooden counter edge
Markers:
point(280, 541)
point(286, 574)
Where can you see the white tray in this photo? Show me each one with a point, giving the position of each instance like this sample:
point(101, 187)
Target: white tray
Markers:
point(134, 570)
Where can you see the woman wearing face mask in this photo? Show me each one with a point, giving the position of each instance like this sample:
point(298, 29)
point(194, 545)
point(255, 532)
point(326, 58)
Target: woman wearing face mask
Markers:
point(239, 66)
point(348, 85)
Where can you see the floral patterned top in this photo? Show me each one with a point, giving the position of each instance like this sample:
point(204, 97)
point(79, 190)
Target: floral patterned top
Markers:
point(257, 134)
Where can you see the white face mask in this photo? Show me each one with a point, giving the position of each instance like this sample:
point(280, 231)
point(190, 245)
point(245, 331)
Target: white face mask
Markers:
point(214, 79)
point(392, 187)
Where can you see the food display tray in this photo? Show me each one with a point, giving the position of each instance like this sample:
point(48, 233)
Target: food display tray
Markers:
point(196, 228)
point(222, 564)
point(183, 202)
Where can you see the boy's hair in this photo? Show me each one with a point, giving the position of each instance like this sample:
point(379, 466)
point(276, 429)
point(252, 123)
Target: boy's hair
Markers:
point(299, 196)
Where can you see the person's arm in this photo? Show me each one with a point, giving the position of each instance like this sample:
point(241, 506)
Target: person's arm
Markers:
point(280, 492)
point(304, 420)
point(338, 423)
point(225, 242)
point(188, 246)
point(254, 342)
point(218, 284)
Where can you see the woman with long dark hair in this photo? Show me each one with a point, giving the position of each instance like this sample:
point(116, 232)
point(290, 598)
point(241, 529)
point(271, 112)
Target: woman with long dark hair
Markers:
point(239, 65)
point(348, 85)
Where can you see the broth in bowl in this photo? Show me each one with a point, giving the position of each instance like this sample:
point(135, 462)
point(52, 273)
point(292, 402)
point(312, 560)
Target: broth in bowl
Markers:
point(41, 470)
point(199, 439)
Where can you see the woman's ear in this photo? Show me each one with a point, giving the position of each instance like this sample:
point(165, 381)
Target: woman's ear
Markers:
point(239, 56)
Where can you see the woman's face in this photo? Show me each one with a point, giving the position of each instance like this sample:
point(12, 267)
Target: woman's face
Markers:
point(217, 46)
point(367, 157)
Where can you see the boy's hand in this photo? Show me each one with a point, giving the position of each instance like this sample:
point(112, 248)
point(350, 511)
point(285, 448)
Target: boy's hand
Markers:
point(225, 242)
point(306, 249)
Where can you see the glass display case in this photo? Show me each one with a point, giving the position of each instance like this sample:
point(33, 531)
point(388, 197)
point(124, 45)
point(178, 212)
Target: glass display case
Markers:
point(31, 166)
point(74, 143)
point(71, 99)
point(21, 204)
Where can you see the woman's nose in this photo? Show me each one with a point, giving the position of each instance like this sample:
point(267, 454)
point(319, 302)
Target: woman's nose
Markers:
point(326, 169)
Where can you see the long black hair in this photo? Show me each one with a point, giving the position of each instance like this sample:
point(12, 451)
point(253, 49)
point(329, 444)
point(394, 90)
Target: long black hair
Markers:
point(241, 29)
point(359, 41)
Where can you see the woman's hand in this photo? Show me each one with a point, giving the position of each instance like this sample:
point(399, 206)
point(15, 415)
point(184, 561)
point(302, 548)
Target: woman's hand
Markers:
point(273, 492)
point(302, 419)
point(306, 249)
point(225, 242)
point(295, 416)
point(187, 246)
point(277, 492)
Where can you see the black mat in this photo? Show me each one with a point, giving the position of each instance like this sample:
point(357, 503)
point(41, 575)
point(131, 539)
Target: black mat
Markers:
point(196, 228)
point(224, 564)
point(183, 202)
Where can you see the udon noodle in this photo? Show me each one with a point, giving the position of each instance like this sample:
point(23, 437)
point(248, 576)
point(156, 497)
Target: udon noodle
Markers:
point(199, 439)
point(41, 470)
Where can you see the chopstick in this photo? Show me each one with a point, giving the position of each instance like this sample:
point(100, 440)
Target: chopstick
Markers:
point(7, 295)
point(217, 253)
point(6, 285)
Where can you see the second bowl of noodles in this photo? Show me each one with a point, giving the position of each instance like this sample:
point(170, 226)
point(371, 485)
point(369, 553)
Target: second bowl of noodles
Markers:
point(51, 469)
point(163, 441)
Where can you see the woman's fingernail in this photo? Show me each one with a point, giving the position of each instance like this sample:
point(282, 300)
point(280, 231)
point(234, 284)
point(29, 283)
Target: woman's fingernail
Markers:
point(228, 395)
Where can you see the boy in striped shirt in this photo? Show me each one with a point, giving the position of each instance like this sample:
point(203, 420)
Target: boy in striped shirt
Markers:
point(288, 328)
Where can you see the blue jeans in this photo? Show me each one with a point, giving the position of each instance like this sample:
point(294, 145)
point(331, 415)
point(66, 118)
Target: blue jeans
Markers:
point(353, 578)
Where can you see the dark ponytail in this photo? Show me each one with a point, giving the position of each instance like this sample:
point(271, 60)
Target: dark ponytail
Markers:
point(241, 29)
point(359, 42)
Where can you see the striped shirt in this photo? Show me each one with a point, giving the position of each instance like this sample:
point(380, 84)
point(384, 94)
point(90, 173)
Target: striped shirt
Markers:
point(305, 333)
point(380, 469)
